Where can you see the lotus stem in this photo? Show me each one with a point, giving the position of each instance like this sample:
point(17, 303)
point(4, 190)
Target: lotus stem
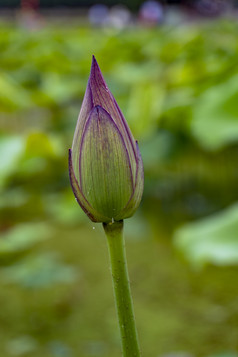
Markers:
point(121, 286)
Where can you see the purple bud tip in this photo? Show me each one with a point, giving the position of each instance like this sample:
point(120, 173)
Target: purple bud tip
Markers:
point(94, 63)
point(96, 78)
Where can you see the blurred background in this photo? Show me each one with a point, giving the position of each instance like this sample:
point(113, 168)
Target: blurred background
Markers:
point(173, 69)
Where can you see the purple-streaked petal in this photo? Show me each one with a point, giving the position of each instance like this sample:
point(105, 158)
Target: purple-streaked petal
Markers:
point(84, 204)
point(86, 107)
point(102, 96)
point(135, 199)
point(105, 171)
point(105, 166)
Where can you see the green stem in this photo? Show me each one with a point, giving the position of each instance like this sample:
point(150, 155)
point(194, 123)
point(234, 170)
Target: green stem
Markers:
point(124, 304)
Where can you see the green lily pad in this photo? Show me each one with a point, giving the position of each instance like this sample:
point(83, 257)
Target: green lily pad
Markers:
point(22, 237)
point(215, 122)
point(39, 271)
point(211, 240)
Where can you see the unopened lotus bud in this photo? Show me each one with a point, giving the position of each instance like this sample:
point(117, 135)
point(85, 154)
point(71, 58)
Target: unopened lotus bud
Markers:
point(105, 165)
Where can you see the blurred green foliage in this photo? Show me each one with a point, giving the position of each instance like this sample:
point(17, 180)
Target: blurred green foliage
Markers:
point(176, 86)
point(213, 239)
point(178, 90)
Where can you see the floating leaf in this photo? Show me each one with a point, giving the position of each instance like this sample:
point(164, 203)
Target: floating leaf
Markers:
point(215, 122)
point(22, 237)
point(211, 240)
point(39, 271)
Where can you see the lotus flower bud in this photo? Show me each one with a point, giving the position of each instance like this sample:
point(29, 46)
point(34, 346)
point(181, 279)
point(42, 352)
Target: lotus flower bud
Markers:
point(105, 165)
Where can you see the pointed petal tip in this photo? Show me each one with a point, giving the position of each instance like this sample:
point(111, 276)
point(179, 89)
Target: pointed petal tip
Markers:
point(94, 63)
point(93, 60)
point(96, 77)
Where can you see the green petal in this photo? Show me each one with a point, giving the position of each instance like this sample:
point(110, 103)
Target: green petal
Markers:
point(105, 171)
point(134, 202)
point(86, 207)
point(86, 108)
